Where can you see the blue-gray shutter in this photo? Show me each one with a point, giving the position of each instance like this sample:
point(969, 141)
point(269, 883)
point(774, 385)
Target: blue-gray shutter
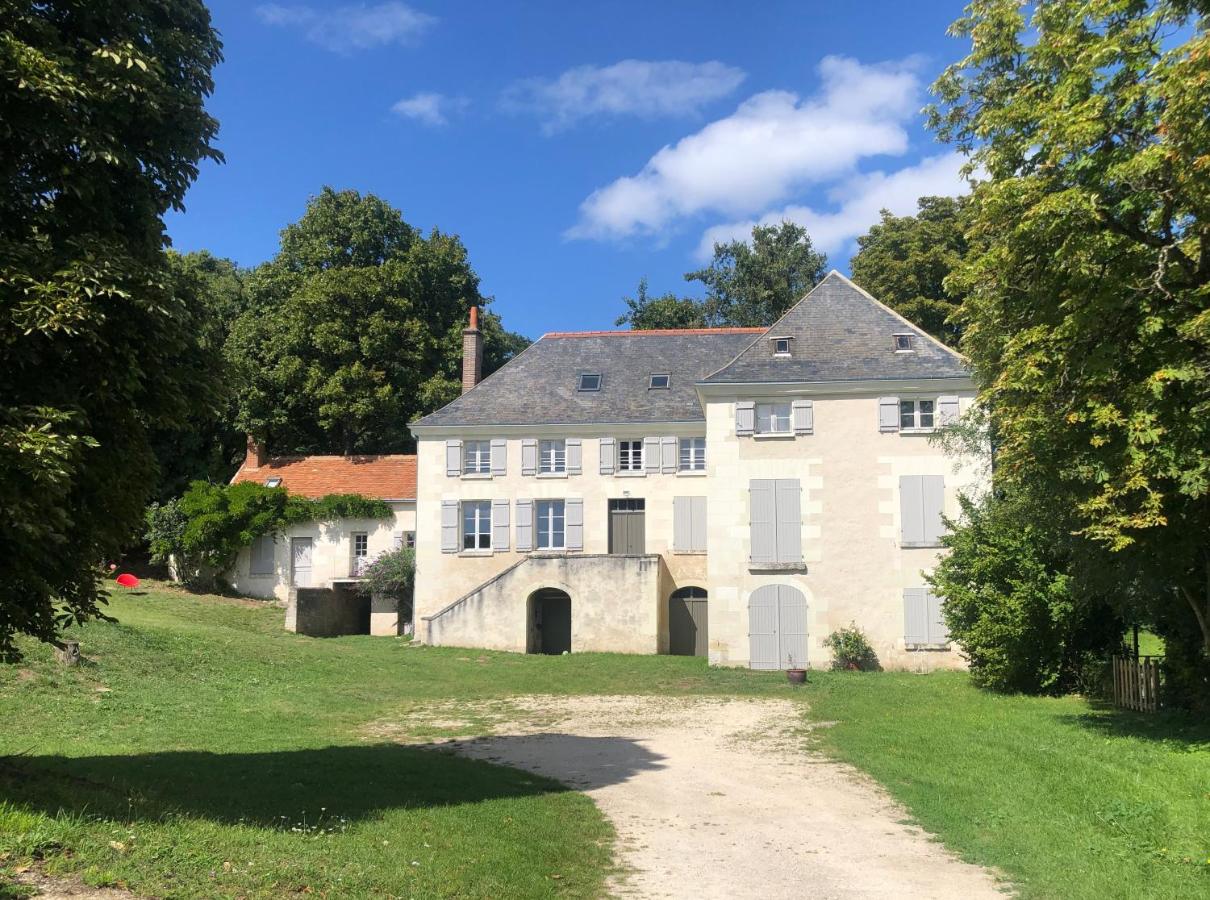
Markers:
point(668, 458)
point(651, 454)
point(938, 631)
point(525, 525)
point(499, 456)
point(911, 511)
point(745, 417)
point(932, 490)
point(763, 644)
point(948, 410)
point(682, 524)
point(915, 616)
point(453, 458)
point(697, 524)
point(804, 416)
point(261, 556)
point(499, 524)
point(573, 523)
point(888, 413)
point(575, 456)
point(529, 456)
point(449, 526)
point(762, 520)
point(789, 520)
point(609, 452)
point(791, 628)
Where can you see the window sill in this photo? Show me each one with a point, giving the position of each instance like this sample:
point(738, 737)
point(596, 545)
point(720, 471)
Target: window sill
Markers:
point(774, 435)
point(552, 474)
point(476, 476)
point(469, 554)
point(934, 648)
point(688, 552)
point(629, 474)
point(917, 430)
point(691, 473)
point(777, 567)
point(914, 546)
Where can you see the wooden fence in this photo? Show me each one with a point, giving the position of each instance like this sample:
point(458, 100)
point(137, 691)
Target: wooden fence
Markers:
point(1136, 682)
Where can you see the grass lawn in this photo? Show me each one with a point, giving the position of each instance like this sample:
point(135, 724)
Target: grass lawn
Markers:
point(204, 752)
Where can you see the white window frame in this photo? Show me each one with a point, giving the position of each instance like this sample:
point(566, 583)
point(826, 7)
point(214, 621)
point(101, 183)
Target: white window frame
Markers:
point(904, 342)
point(775, 417)
point(914, 418)
point(359, 546)
point(548, 514)
point(580, 381)
point(552, 456)
point(652, 386)
point(478, 528)
point(631, 459)
point(781, 346)
point(477, 457)
point(691, 454)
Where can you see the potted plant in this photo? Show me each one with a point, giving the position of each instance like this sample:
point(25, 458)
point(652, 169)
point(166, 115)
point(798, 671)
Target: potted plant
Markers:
point(794, 675)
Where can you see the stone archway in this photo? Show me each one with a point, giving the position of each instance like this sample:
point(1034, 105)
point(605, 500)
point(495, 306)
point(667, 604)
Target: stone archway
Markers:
point(548, 611)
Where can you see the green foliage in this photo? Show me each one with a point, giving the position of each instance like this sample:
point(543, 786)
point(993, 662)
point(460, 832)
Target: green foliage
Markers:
point(354, 329)
point(1011, 604)
point(904, 261)
point(851, 649)
point(103, 132)
point(646, 313)
point(392, 574)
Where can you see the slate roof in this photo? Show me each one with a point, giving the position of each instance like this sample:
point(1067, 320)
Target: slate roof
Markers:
point(387, 477)
point(840, 333)
point(539, 385)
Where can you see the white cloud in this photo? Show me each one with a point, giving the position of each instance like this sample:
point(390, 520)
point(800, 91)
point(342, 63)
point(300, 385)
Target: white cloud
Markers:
point(858, 202)
point(631, 87)
point(429, 108)
point(358, 26)
point(773, 144)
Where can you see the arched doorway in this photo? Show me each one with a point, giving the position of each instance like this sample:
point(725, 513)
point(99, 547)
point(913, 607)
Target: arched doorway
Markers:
point(688, 622)
point(549, 612)
point(777, 628)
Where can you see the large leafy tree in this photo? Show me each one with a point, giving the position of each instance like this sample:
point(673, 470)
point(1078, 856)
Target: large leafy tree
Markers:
point(1088, 280)
point(904, 261)
point(354, 329)
point(645, 313)
point(102, 130)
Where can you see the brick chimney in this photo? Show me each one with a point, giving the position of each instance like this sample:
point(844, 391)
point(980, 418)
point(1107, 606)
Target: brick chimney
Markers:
point(257, 455)
point(472, 352)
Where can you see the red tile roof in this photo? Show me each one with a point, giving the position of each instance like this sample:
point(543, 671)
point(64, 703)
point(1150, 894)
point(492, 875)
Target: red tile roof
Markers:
point(387, 477)
point(637, 332)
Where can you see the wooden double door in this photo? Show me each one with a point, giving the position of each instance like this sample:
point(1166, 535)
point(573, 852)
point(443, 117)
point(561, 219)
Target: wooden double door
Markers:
point(628, 526)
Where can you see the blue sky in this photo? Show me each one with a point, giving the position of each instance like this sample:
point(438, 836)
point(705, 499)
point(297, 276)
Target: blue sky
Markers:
point(574, 147)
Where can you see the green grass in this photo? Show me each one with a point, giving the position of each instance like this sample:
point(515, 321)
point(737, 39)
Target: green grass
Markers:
point(204, 752)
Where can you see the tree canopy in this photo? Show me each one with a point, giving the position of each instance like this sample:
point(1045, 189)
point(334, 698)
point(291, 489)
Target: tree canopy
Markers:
point(647, 313)
point(102, 130)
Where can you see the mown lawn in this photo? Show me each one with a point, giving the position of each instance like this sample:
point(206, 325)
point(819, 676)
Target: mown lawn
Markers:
point(204, 752)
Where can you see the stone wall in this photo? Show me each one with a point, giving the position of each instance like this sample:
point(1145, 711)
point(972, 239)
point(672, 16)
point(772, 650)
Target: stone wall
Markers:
point(327, 612)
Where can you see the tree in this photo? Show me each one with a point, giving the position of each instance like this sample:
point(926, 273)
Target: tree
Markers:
point(354, 329)
point(904, 261)
point(1088, 278)
point(753, 285)
point(102, 130)
point(645, 313)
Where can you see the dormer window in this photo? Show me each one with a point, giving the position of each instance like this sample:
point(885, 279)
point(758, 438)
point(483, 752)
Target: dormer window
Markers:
point(781, 345)
point(589, 382)
point(272, 482)
point(660, 382)
point(903, 343)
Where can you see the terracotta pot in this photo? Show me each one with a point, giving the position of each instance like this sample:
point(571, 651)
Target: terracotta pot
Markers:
point(796, 676)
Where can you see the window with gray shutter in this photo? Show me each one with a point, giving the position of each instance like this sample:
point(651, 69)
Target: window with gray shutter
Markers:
point(525, 525)
point(261, 561)
point(689, 524)
point(745, 418)
point(776, 521)
point(575, 456)
point(499, 456)
point(499, 524)
point(888, 413)
point(668, 455)
point(948, 410)
point(938, 631)
point(804, 417)
point(915, 617)
point(449, 526)
point(608, 455)
point(789, 520)
point(453, 458)
point(529, 456)
point(574, 511)
point(651, 454)
point(763, 520)
point(921, 506)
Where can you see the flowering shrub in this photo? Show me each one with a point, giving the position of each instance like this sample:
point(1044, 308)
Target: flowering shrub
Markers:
point(392, 574)
point(851, 649)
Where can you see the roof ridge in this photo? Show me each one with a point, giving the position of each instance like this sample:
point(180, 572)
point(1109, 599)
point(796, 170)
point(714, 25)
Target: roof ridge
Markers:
point(649, 332)
point(294, 457)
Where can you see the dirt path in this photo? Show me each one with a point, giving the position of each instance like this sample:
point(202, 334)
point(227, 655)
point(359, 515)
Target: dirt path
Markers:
point(719, 799)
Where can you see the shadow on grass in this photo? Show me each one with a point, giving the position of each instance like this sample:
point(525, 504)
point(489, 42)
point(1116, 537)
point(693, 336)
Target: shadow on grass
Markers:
point(279, 788)
point(1177, 727)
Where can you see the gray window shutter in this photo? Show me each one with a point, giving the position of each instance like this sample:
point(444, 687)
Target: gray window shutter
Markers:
point(651, 454)
point(573, 524)
point(261, 555)
point(915, 616)
point(697, 524)
point(575, 456)
point(938, 631)
point(525, 525)
point(609, 450)
point(947, 410)
point(911, 510)
point(804, 417)
point(682, 524)
point(453, 458)
point(449, 526)
point(397, 540)
point(745, 417)
point(789, 520)
point(763, 520)
point(499, 524)
point(668, 455)
point(932, 490)
point(499, 456)
point(888, 413)
point(529, 456)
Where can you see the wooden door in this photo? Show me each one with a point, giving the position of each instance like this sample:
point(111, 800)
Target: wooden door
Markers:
point(300, 561)
point(688, 623)
point(627, 526)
